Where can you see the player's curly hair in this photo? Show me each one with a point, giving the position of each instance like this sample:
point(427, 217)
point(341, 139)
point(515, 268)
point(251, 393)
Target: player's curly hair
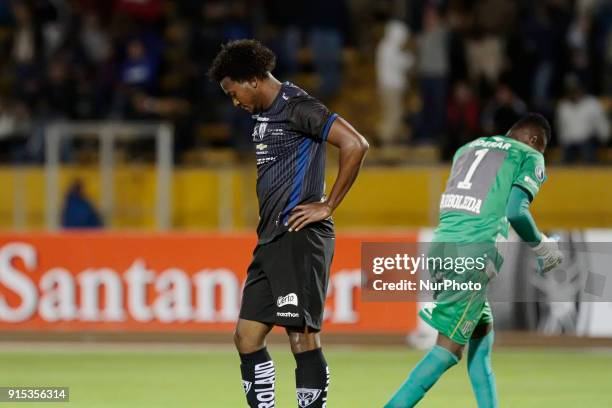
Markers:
point(242, 60)
point(535, 120)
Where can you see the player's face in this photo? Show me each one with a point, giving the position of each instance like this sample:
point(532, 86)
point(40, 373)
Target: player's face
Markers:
point(243, 94)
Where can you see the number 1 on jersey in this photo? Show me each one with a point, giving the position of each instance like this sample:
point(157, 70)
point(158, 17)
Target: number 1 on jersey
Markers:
point(466, 183)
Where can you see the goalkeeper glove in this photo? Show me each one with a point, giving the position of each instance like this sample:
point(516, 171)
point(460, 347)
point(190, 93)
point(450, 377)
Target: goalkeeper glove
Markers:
point(548, 254)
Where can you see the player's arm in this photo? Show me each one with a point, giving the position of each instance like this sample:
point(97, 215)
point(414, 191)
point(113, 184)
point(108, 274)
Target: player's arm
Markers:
point(353, 147)
point(519, 216)
point(526, 186)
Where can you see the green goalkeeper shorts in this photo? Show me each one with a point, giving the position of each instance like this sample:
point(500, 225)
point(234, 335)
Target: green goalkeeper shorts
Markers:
point(457, 311)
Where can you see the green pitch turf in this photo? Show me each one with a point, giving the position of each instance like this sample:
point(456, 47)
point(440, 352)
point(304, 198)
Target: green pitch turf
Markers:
point(360, 377)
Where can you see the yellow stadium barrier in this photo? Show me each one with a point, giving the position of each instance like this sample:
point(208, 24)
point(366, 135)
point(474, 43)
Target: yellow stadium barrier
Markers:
point(224, 199)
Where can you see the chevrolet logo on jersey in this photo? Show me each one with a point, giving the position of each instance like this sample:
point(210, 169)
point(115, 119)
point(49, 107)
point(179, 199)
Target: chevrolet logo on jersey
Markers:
point(261, 146)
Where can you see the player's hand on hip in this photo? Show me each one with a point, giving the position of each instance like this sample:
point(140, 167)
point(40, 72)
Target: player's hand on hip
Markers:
point(305, 214)
point(548, 254)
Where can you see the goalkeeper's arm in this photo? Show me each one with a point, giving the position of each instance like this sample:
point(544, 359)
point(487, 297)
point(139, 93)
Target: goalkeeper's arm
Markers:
point(517, 212)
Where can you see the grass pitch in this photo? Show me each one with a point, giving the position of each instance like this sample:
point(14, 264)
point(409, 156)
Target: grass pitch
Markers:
point(360, 377)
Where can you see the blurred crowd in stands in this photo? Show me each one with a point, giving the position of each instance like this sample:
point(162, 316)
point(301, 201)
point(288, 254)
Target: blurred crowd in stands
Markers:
point(479, 65)
point(474, 66)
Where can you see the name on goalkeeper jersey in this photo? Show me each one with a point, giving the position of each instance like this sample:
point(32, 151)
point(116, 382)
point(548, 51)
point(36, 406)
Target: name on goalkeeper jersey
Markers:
point(460, 202)
point(498, 144)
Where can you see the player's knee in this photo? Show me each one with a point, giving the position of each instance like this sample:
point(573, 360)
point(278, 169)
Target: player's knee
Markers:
point(246, 343)
point(238, 338)
point(301, 342)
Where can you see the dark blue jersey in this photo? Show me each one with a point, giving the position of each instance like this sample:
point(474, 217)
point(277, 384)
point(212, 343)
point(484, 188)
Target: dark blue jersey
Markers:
point(289, 140)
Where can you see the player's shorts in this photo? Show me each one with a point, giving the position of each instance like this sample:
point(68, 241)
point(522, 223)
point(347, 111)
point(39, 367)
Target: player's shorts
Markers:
point(456, 313)
point(287, 280)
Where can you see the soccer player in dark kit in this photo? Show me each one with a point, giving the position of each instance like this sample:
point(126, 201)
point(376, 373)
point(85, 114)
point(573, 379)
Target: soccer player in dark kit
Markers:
point(287, 280)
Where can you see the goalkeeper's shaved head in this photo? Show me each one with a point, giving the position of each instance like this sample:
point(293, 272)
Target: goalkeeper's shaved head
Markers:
point(533, 130)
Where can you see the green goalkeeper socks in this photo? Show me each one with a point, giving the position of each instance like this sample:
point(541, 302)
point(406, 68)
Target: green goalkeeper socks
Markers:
point(481, 372)
point(423, 377)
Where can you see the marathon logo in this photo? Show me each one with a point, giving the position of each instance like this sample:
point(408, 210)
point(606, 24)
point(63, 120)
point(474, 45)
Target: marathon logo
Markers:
point(264, 384)
point(460, 202)
point(290, 299)
point(287, 314)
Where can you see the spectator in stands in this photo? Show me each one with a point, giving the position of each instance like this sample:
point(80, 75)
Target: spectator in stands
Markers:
point(59, 91)
point(26, 53)
point(325, 33)
point(603, 43)
point(433, 68)
point(283, 35)
point(14, 128)
point(538, 37)
point(607, 79)
point(485, 59)
point(138, 74)
point(78, 211)
point(94, 39)
point(578, 43)
point(139, 70)
point(463, 122)
point(581, 123)
point(392, 64)
point(503, 111)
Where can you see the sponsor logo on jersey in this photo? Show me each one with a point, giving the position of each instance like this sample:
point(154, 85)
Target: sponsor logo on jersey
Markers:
point(467, 327)
point(264, 384)
point(285, 97)
point(306, 396)
point(264, 160)
point(539, 173)
point(287, 314)
point(259, 131)
point(290, 299)
point(530, 181)
point(261, 146)
point(247, 386)
point(460, 202)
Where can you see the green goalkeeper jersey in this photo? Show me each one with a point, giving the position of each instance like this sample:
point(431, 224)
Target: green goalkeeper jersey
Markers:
point(473, 205)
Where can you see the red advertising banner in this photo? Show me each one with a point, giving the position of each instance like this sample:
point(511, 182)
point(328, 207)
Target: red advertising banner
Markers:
point(155, 282)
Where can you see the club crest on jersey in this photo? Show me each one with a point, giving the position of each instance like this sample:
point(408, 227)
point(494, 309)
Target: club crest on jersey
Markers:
point(539, 173)
point(259, 131)
point(290, 299)
point(307, 396)
point(247, 386)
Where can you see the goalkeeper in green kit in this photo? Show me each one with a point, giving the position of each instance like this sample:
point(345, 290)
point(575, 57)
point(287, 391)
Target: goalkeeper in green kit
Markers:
point(493, 181)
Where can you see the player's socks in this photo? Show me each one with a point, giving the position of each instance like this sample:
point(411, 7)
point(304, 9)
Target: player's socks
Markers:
point(423, 377)
point(311, 379)
point(258, 376)
point(481, 372)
